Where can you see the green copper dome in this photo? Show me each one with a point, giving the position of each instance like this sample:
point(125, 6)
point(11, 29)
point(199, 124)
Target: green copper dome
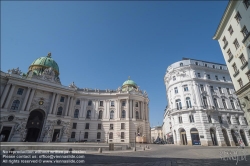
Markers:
point(129, 85)
point(129, 82)
point(45, 62)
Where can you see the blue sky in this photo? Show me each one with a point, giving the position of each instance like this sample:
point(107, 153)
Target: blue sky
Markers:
point(99, 44)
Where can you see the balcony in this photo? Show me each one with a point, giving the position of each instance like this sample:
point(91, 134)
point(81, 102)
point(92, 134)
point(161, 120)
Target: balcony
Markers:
point(230, 58)
point(226, 43)
point(236, 73)
point(243, 66)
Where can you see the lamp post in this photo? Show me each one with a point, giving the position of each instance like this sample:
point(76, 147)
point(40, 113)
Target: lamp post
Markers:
point(107, 137)
point(135, 141)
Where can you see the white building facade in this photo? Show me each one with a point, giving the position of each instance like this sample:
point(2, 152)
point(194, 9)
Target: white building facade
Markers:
point(233, 35)
point(35, 107)
point(156, 134)
point(202, 107)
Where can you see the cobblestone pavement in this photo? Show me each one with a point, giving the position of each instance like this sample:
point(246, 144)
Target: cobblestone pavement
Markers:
point(168, 155)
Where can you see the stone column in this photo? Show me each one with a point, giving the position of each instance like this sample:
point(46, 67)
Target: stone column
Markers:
point(3, 96)
point(55, 105)
point(52, 103)
point(130, 109)
point(70, 103)
point(127, 111)
point(143, 111)
point(67, 106)
point(118, 109)
point(25, 99)
point(210, 97)
point(82, 109)
point(96, 109)
point(30, 99)
point(198, 95)
point(71, 106)
point(9, 96)
point(105, 113)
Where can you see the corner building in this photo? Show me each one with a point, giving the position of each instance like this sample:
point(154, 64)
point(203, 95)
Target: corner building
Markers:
point(202, 106)
point(35, 107)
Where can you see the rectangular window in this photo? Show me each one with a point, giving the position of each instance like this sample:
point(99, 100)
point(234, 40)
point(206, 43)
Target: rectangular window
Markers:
point(213, 66)
point(202, 88)
point(111, 127)
point(220, 119)
point(212, 88)
point(199, 75)
point(232, 104)
point(228, 91)
point(224, 78)
point(175, 90)
point(123, 103)
point(136, 104)
point(122, 135)
point(229, 120)
point(122, 125)
point(99, 126)
point(216, 77)
point(205, 65)
point(185, 88)
point(237, 120)
point(62, 99)
point(244, 31)
point(196, 63)
point(229, 53)
point(230, 29)
point(235, 68)
point(246, 3)
point(209, 119)
point(248, 75)
point(101, 103)
point(86, 135)
point(224, 40)
point(112, 103)
point(238, 17)
point(240, 82)
point(208, 76)
point(87, 126)
point(20, 91)
point(220, 89)
point(180, 119)
point(73, 134)
point(191, 118)
point(74, 125)
point(242, 59)
point(236, 44)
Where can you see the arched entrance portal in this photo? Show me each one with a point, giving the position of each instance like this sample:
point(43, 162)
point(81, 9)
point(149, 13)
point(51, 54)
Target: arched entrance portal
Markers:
point(195, 136)
point(225, 137)
point(213, 137)
point(234, 137)
point(183, 137)
point(243, 136)
point(35, 125)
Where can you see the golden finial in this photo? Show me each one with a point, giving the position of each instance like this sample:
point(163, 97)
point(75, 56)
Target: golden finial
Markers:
point(49, 54)
point(129, 77)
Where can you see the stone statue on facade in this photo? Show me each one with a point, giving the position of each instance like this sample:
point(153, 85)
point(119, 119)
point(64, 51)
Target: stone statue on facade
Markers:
point(72, 85)
point(15, 71)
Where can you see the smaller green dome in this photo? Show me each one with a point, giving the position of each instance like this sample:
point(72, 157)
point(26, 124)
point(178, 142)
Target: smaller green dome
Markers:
point(129, 82)
point(46, 62)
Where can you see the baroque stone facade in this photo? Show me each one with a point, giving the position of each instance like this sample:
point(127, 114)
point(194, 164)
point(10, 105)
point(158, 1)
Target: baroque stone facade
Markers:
point(36, 107)
point(202, 106)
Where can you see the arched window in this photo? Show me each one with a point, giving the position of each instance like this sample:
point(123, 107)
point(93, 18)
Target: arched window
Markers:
point(205, 102)
point(188, 101)
point(100, 114)
point(178, 104)
point(76, 113)
point(15, 105)
point(137, 115)
point(224, 103)
point(88, 114)
point(99, 135)
point(89, 103)
point(110, 135)
point(216, 103)
point(123, 114)
point(78, 102)
point(59, 111)
point(111, 114)
point(174, 78)
point(181, 64)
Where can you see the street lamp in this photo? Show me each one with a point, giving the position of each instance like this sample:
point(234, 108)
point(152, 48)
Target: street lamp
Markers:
point(107, 137)
point(135, 141)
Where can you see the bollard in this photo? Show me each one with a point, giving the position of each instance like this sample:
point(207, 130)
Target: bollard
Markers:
point(100, 150)
point(143, 148)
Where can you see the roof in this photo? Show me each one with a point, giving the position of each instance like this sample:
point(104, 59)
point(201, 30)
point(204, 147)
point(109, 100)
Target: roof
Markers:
point(203, 61)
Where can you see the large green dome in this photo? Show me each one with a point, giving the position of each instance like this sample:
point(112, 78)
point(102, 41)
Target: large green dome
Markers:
point(129, 82)
point(45, 62)
point(129, 85)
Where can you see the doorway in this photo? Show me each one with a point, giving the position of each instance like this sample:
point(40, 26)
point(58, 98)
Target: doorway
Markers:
point(56, 135)
point(183, 137)
point(195, 136)
point(226, 139)
point(213, 137)
point(6, 133)
point(243, 136)
point(34, 125)
point(234, 138)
